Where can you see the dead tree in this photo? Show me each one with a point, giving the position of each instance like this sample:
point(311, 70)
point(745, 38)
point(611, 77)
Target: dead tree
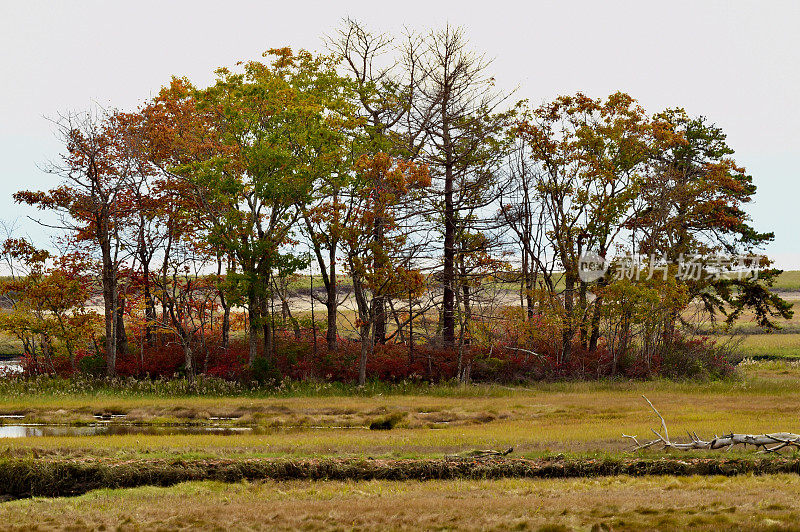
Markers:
point(766, 443)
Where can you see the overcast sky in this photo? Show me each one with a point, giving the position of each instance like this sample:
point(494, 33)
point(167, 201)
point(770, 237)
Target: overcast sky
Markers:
point(737, 63)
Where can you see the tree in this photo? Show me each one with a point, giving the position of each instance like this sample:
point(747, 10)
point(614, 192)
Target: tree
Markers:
point(692, 208)
point(585, 162)
point(94, 170)
point(379, 269)
point(383, 96)
point(48, 303)
point(253, 161)
point(455, 105)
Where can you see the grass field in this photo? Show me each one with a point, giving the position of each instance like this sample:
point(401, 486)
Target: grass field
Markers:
point(772, 345)
point(788, 281)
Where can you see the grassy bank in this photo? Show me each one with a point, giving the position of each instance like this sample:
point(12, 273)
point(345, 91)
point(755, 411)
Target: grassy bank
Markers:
point(50, 477)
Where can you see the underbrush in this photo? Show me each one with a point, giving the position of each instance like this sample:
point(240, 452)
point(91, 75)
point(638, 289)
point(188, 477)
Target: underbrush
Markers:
point(159, 366)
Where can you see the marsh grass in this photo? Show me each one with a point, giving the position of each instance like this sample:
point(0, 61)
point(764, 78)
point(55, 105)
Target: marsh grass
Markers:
point(603, 503)
point(56, 477)
point(563, 428)
point(573, 417)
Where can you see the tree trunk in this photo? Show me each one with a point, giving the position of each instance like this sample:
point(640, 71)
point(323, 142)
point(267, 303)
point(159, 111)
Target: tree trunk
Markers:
point(121, 335)
point(448, 273)
point(379, 312)
point(254, 319)
point(109, 281)
point(366, 343)
point(568, 327)
point(150, 305)
point(596, 314)
point(188, 362)
point(226, 323)
point(378, 301)
point(332, 335)
point(365, 328)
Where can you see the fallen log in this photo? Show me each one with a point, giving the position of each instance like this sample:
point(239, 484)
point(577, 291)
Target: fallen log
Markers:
point(765, 443)
point(481, 453)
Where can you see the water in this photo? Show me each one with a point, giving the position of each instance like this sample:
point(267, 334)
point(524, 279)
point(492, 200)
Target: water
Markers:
point(28, 431)
point(31, 430)
point(9, 366)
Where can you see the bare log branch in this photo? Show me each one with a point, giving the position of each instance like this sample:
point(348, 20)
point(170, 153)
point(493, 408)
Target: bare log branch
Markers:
point(765, 443)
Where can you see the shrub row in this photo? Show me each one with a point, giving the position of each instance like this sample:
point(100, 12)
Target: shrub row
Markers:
point(302, 360)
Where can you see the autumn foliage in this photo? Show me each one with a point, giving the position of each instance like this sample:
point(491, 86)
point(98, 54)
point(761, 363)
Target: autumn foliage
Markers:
point(442, 225)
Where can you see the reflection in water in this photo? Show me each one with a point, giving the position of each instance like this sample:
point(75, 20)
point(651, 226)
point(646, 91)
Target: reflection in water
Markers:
point(26, 431)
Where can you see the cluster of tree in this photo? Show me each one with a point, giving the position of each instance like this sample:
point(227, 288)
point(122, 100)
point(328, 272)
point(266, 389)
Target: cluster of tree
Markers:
point(397, 163)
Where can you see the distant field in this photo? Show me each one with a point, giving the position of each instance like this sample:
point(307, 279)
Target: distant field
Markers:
point(771, 345)
point(9, 345)
point(789, 281)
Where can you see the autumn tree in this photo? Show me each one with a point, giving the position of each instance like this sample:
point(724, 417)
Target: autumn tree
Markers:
point(383, 78)
point(581, 168)
point(48, 296)
point(267, 123)
point(94, 170)
point(385, 268)
point(693, 209)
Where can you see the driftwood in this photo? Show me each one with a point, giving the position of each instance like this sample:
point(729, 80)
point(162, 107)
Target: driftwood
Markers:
point(526, 351)
point(482, 453)
point(766, 443)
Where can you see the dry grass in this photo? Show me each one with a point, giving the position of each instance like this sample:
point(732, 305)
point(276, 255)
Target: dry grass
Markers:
point(618, 503)
point(573, 418)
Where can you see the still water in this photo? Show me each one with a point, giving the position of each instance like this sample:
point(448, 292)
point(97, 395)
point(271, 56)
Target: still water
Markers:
point(27, 431)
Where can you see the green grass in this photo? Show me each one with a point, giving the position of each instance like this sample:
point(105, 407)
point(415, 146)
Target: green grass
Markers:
point(772, 346)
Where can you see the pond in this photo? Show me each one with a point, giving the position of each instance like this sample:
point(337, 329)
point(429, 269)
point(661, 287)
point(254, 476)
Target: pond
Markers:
point(29, 430)
point(10, 365)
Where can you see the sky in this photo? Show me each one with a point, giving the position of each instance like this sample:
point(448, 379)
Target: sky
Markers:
point(735, 62)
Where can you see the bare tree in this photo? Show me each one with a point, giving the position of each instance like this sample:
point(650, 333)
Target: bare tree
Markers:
point(455, 104)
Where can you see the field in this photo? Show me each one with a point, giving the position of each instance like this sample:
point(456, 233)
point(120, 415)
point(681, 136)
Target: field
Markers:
point(580, 418)
point(580, 423)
